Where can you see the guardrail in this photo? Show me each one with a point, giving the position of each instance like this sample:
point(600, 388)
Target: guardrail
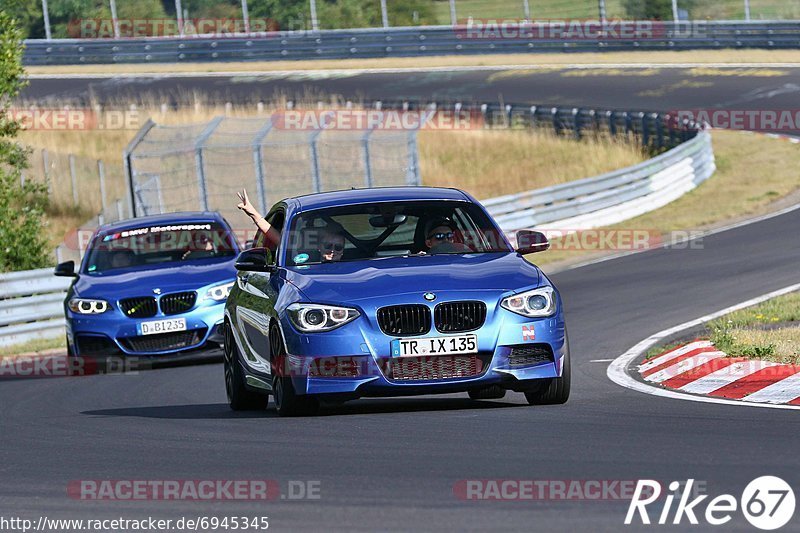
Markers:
point(407, 41)
point(32, 306)
point(612, 197)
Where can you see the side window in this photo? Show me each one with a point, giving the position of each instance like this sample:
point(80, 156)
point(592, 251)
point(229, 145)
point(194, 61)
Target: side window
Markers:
point(276, 220)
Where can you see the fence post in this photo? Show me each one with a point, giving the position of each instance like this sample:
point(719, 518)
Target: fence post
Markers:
point(453, 19)
point(46, 171)
point(101, 171)
point(315, 177)
point(747, 10)
point(314, 20)
point(367, 161)
point(675, 10)
point(601, 6)
point(526, 9)
point(576, 123)
point(384, 14)
point(258, 162)
point(412, 171)
point(74, 179)
point(612, 124)
point(22, 179)
point(128, 166)
point(198, 159)
point(645, 129)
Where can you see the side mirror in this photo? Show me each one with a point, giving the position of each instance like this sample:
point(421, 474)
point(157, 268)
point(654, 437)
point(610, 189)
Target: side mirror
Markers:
point(255, 260)
point(530, 242)
point(66, 269)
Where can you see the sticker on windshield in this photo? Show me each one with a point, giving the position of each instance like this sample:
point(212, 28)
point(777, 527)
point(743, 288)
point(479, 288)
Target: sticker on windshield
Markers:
point(300, 258)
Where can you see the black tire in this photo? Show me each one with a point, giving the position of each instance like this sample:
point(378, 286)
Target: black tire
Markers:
point(239, 397)
point(287, 402)
point(553, 391)
point(494, 392)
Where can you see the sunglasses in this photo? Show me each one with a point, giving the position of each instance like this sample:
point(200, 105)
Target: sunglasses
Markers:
point(442, 236)
point(332, 246)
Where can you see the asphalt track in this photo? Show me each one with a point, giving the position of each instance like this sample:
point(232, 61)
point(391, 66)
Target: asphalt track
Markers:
point(391, 464)
point(656, 88)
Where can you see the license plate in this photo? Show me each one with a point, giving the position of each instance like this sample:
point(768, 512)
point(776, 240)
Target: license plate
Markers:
point(435, 346)
point(162, 326)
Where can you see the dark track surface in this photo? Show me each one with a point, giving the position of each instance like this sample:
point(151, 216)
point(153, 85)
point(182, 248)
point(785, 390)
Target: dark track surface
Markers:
point(659, 89)
point(391, 463)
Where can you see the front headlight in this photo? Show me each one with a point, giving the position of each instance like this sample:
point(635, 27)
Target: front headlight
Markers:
point(219, 293)
point(534, 303)
point(310, 318)
point(86, 306)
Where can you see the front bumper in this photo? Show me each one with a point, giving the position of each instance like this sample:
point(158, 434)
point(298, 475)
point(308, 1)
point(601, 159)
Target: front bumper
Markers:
point(113, 334)
point(514, 352)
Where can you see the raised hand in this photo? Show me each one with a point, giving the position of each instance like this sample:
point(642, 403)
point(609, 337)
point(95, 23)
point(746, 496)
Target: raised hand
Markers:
point(244, 203)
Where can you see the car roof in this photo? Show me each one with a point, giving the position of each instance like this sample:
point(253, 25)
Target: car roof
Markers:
point(376, 194)
point(157, 220)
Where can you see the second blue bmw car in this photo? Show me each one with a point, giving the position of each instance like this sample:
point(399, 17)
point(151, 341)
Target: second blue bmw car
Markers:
point(152, 286)
point(394, 291)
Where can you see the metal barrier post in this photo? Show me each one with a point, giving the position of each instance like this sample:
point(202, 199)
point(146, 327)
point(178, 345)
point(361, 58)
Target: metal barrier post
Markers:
point(46, 171)
point(453, 19)
point(384, 14)
point(128, 163)
point(365, 155)
point(101, 171)
point(412, 171)
point(258, 162)
point(315, 177)
point(74, 180)
point(198, 159)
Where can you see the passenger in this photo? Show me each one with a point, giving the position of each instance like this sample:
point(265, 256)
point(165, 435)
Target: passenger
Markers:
point(122, 259)
point(249, 209)
point(331, 244)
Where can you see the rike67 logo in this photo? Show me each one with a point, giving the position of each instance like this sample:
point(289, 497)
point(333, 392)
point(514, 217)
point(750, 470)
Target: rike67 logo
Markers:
point(767, 503)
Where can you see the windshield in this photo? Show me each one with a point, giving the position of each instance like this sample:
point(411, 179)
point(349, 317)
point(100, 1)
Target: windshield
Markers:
point(154, 245)
point(372, 231)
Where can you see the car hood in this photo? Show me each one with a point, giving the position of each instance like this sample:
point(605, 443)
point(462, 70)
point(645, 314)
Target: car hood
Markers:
point(361, 280)
point(137, 282)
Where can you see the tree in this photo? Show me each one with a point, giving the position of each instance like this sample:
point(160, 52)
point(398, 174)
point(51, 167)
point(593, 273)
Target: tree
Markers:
point(653, 9)
point(22, 241)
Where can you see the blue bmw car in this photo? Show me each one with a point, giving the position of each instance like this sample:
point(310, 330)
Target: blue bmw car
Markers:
point(388, 292)
point(151, 286)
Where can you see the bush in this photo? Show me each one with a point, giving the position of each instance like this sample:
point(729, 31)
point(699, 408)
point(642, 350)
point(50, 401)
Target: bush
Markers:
point(22, 243)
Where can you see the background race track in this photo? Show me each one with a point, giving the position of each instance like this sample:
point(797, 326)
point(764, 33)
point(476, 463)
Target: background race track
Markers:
point(392, 463)
point(658, 88)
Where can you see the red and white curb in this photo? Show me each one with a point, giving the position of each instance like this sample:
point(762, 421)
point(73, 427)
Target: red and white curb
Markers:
point(699, 368)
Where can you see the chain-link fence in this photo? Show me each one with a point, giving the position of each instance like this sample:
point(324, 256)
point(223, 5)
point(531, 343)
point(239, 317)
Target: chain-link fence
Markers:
point(81, 184)
point(199, 167)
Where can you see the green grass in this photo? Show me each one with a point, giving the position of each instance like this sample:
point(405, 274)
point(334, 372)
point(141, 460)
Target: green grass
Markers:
point(769, 331)
point(34, 347)
point(657, 350)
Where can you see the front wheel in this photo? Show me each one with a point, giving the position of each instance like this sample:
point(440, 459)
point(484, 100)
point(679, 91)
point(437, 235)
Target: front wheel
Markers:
point(287, 401)
point(555, 390)
point(239, 397)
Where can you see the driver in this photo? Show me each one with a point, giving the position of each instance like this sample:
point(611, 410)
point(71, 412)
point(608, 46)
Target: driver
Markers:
point(440, 236)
